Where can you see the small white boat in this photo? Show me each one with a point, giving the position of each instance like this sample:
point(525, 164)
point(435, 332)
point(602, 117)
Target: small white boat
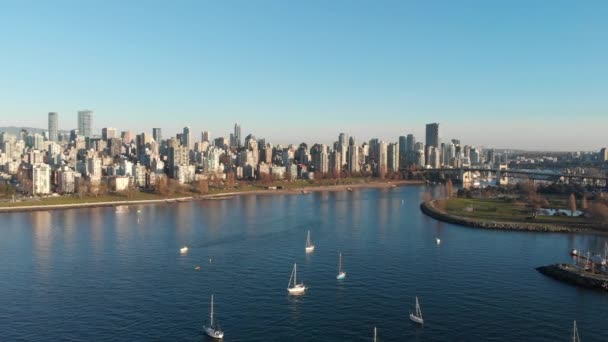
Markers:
point(309, 246)
point(183, 250)
point(438, 240)
point(341, 273)
point(417, 316)
point(575, 337)
point(213, 330)
point(574, 252)
point(295, 288)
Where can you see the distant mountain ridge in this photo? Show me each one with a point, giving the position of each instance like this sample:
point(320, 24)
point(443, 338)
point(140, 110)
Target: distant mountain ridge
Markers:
point(15, 130)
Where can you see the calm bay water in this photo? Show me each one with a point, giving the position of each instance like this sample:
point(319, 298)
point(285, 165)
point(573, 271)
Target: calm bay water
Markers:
point(98, 275)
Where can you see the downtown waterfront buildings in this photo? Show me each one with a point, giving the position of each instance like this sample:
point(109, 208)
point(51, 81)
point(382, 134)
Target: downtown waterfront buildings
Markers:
point(61, 162)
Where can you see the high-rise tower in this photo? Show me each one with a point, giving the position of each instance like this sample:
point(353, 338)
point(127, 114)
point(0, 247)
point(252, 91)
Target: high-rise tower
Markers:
point(85, 122)
point(432, 135)
point(237, 135)
point(157, 135)
point(53, 126)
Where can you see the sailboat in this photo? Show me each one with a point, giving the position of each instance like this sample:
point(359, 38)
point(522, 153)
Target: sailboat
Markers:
point(417, 317)
point(341, 274)
point(575, 337)
point(438, 241)
point(309, 246)
point(295, 288)
point(212, 330)
point(375, 334)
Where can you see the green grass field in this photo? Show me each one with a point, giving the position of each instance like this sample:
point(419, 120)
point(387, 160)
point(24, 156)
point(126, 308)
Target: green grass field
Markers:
point(502, 210)
point(140, 196)
point(74, 199)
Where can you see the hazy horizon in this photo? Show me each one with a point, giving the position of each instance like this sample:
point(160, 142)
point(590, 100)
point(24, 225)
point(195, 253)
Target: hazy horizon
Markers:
point(519, 75)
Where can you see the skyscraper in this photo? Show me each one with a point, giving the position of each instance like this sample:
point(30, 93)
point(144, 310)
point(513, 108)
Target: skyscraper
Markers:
point(343, 139)
point(85, 122)
point(432, 135)
point(206, 136)
point(410, 147)
point(186, 138)
point(53, 126)
point(382, 158)
point(109, 133)
point(402, 149)
point(237, 135)
point(393, 157)
point(157, 135)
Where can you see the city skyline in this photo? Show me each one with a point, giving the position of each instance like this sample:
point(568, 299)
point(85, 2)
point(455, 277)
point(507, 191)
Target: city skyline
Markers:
point(419, 133)
point(483, 71)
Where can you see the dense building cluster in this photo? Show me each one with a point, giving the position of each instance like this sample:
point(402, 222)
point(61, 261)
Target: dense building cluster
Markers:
point(68, 162)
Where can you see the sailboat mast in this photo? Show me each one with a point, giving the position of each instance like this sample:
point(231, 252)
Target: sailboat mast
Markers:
point(340, 264)
point(211, 314)
point(375, 334)
point(295, 275)
point(308, 239)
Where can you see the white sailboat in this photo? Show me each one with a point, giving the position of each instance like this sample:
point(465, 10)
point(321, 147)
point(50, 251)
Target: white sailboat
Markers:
point(341, 274)
point(417, 316)
point(213, 330)
point(575, 337)
point(295, 288)
point(438, 241)
point(309, 246)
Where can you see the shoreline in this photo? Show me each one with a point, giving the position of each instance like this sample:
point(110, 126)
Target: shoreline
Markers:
point(218, 196)
point(429, 209)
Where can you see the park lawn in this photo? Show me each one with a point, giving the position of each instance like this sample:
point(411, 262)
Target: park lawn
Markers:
point(502, 210)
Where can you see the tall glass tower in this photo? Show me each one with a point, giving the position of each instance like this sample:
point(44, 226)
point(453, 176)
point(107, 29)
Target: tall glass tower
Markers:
point(85, 122)
point(53, 126)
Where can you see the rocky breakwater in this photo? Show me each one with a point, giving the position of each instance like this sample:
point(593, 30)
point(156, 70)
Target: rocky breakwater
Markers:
point(575, 275)
point(428, 208)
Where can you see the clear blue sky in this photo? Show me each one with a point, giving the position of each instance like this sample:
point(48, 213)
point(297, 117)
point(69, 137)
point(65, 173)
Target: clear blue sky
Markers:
point(523, 74)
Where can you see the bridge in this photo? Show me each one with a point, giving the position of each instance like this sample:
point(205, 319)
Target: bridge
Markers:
point(502, 173)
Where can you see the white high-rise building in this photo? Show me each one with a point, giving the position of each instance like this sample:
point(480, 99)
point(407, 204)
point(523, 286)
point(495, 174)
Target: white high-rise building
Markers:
point(382, 158)
point(41, 179)
point(65, 180)
point(434, 160)
point(353, 160)
point(94, 169)
point(323, 167)
point(393, 157)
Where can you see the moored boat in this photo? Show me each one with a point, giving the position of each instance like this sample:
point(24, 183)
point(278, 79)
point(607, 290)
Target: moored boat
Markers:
point(293, 287)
